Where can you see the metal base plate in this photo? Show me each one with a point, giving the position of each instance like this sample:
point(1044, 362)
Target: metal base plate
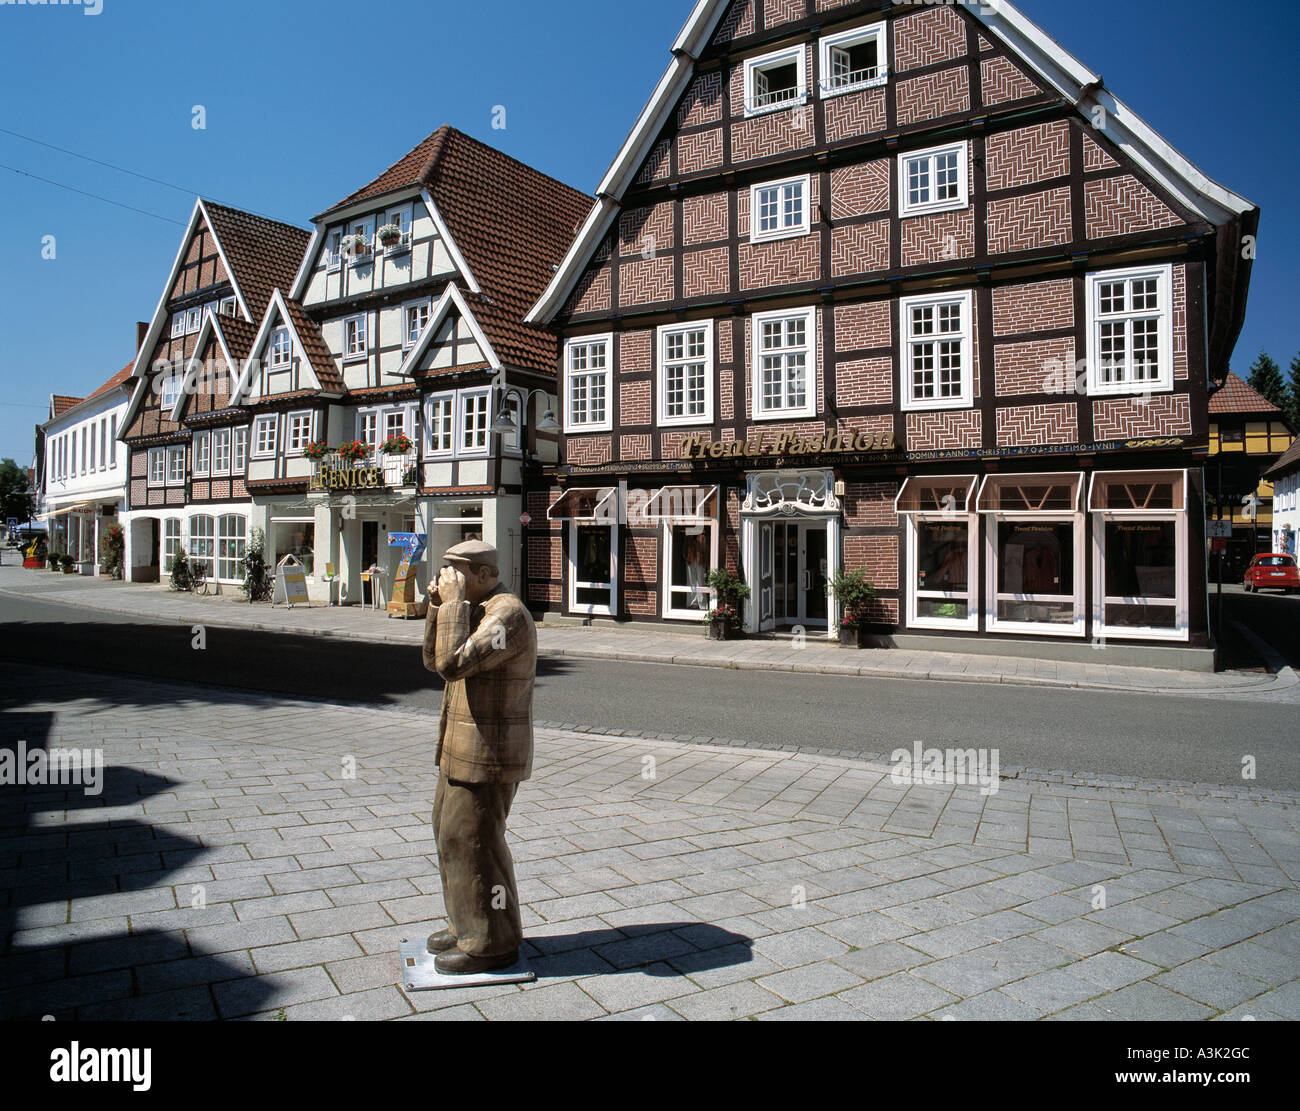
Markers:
point(418, 973)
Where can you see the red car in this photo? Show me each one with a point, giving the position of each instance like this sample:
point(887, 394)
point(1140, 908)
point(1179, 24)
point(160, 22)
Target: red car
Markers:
point(1273, 572)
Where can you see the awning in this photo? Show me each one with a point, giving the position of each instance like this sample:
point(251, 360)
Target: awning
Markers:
point(687, 502)
point(945, 494)
point(588, 504)
point(1031, 493)
point(1138, 492)
point(80, 507)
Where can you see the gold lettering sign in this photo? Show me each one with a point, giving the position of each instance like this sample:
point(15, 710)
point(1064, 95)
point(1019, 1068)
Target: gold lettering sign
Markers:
point(354, 478)
point(851, 442)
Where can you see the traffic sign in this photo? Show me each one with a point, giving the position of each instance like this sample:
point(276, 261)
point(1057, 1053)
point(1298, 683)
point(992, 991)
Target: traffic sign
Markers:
point(1219, 530)
point(525, 519)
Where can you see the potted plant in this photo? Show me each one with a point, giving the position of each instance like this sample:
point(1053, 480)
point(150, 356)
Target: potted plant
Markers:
point(68, 564)
point(315, 451)
point(390, 235)
point(725, 620)
point(355, 245)
point(855, 595)
point(114, 543)
point(396, 445)
point(180, 572)
point(354, 450)
point(257, 579)
point(55, 565)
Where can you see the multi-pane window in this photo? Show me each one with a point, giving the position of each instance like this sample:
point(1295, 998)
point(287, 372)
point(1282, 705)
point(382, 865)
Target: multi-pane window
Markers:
point(685, 374)
point(1130, 331)
point(780, 209)
point(354, 337)
point(933, 180)
point(221, 451)
point(202, 542)
point(439, 418)
point(264, 431)
point(202, 447)
point(368, 430)
point(178, 325)
point(334, 249)
point(227, 307)
point(281, 349)
point(936, 356)
point(784, 363)
point(299, 432)
point(194, 319)
point(175, 465)
point(171, 541)
point(587, 383)
point(474, 421)
point(157, 466)
point(239, 455)
point(853, 60)
point(112, 437)
point(415, 317)
point(103, 444)
point(231, 545)
point(171, 390)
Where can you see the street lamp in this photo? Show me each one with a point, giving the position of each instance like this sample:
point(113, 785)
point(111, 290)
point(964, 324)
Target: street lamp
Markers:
point(505, 424)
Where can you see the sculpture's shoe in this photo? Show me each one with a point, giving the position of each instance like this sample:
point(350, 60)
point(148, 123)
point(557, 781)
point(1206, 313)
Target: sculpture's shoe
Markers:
point(457, 963)
point(442, 941)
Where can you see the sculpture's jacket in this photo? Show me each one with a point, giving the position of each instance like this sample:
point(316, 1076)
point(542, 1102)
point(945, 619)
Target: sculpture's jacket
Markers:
point(487, 655)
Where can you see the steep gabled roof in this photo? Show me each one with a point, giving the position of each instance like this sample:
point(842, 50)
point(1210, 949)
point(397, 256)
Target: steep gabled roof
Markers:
point(118, 379)
point(510, 223)
point(234, 335)
point(306, 336)
point(1061, 71)
point(1238, 396)
point(1289, 463)
point(262, 254)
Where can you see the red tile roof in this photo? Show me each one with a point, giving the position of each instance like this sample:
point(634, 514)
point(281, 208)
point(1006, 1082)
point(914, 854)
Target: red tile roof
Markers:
point(61, 403)
point(318, 354)
point(513, 225)
point(264, 254)
point(119, 379)
point(1237, 396)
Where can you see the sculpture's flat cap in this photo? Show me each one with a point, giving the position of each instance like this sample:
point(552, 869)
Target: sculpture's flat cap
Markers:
point(475, 553)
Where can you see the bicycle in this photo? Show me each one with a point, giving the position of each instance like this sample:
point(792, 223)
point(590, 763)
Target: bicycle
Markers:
point(198, 579)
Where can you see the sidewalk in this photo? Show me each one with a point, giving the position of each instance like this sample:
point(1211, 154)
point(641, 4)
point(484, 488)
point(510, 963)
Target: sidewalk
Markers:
point(633, 644)
point(235, 867)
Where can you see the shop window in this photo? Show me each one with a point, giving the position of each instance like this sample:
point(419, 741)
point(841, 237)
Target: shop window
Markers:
point(203, 538)
point(688, 515)
point(295, 538)
point(941, 552)
point(1130, 331)
point(232, 532)
point(592, 568)
point(171, 542)
point(456, 522)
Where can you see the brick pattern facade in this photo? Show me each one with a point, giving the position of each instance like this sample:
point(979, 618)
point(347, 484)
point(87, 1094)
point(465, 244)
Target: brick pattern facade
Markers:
point(860, 249)
point(1033, 307)
point(942, 237)
point(588, 450)
point(1028, 155)
point(855, 115)
point(705, 218)
point(870, 505)
point(1029, 222)
point(1024, 425)
point(962, 428)
point(864, 382)
point(1128, 417)
point(1037, 367)
point(863, 327)
point(1003, 81)
point(878, 554)
point(783, 262)
point(1122, 206)
point(634, 402)
point(933, 35)
point(861, 190)
point(934, 95)
point(642, 555)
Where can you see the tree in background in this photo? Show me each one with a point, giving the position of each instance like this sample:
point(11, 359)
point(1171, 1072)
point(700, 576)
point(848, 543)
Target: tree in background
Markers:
point(1266, 380)
point(1292, 406)
point(16, 498)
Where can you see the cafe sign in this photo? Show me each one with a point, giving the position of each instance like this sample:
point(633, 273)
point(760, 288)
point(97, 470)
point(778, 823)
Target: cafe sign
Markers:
point(786, 444)
point(328, 479)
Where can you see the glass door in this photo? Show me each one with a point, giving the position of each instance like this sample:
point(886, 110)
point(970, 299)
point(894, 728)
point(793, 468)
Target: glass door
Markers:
point(801, 572)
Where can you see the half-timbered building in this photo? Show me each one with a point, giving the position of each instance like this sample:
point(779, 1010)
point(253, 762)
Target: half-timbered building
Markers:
point(901, 287)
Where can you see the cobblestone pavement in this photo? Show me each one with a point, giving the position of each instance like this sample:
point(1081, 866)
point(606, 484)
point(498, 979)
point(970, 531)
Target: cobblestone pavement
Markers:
point(656, 646)
point(260, 858)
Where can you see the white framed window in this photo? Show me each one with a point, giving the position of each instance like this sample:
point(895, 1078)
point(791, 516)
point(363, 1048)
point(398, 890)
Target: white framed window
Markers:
point(333, 249)
point(1130, 331)
point(202, 446)
point(777, 80)
point(232, 541)
point(203, 536)
point(439, 424)
point(686, 373)
point(785, 364)
point(157, 466)
point(175, 466)
point(178, 325)
point(780, 209)
point(586, 384)
point(856, 59)
point(94, 448)
point(942, 552)
point(112, 439)
point(687, 516)
point(933, 180)
point(593, 567)
point(399, 218)
point(103, 444)
point(239, 451)
point(355, 345)
point(171, 541)
point(475, 421)
point(396, 423)
point(937, 358)
point(414, 317)
point(368, 429)
point(194, 319)
point(281, 348)
point(171, 390)
point(299, 431)
point(359, 242)
point(264, 435)
point(221, 451)
point(227, 307)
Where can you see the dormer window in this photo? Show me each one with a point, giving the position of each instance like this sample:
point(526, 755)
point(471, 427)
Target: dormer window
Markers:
point(227, 306)
point(775, 81)
point(281, 350)
point(854, 60)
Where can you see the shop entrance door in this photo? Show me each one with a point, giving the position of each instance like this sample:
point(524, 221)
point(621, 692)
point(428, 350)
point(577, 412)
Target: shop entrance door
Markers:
point(800, 570)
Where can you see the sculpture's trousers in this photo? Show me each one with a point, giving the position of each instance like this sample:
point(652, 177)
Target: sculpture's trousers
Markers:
point(478, 876)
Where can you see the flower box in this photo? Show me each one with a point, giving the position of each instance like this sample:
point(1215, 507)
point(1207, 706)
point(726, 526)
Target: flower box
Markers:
point(32, 563)
point(396, 445)
point(316, 451)
point(390, 234)
point(853, 636)
point(354, 451)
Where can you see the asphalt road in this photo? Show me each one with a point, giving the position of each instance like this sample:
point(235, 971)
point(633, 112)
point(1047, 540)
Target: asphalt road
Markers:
point(1097, 732)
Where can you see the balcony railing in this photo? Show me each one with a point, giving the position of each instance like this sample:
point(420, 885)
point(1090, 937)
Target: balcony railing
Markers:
point(777, 97)
point(332, 472)
point(855, 77)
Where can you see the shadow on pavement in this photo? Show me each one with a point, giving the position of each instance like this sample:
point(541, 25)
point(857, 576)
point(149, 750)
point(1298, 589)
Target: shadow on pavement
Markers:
point(690, 946)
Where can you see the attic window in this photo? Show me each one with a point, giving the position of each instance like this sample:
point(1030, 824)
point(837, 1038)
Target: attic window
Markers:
point(775, 81)
point(853, 60)
point(227, 306)
point(280, 348)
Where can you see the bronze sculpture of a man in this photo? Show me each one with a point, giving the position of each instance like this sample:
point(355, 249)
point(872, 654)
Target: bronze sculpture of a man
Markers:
point(481, 639)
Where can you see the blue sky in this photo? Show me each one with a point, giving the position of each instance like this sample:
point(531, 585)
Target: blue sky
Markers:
point(306, 102)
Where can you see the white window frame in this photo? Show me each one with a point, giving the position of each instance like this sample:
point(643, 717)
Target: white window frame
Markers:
point(1078, 628)
point(170, 545)
point(1182, 628)
point(223, 544)
point(408, 340)
point(103, 443)
point(922, 208)
point(368, 429)
point(112, 439)
point(222, 442)
point(176, 466)
point(269, 421)
point(462, 416)
point(226, 307)
point(575, 585)
point(784, 57)
point(170, 392)
point(915, 594)
point(292, 422)
point(194, 539)
point(193, 320)
point(404, 221)
point(855, 37)
point(178, 324)
point(278, 360)
point(239, 440)
point(809, 408)
point(607, 424)
point(366, 229)
point(348, 354)
point(667, 332)
point(444, 404)
point(908, 402)
point(705, 524)
point(334, 249)
point(756, 235)
point(202, 454)
point(1164, 383)
point(157, 466)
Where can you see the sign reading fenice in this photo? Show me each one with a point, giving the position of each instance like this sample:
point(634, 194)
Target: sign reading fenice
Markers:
point(346, 478)
point(696, 446)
